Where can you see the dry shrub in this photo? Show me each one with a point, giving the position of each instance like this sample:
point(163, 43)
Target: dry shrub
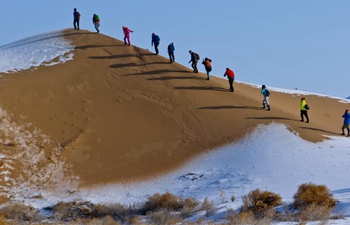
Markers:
point(314, 212)
point(208, 206)
point(241, 218)
point(169, 202)
point(245, 218)
point(312, 194)
point(72, 211)
point(116, 210)
point(69, 211)
point(104, 221)
point(20, 212)
point(2, 219)
point(164, 217)
point(261, 204)
point(189, 207)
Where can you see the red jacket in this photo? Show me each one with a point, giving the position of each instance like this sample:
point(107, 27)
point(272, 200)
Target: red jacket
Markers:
point(230, 74)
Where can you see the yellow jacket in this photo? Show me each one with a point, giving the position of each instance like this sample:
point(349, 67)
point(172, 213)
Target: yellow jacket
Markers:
point(302, 105)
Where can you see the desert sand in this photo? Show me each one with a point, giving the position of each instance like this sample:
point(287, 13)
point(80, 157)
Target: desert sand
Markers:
point(117, 113)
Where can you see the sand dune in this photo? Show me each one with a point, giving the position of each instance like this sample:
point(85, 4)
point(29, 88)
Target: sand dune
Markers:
point(117, 113)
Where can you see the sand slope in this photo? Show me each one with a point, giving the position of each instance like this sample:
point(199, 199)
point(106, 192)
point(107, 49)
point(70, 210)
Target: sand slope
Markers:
point(120, 112)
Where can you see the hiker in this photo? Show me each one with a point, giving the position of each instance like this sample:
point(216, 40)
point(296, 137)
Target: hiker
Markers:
point(96, 22)
point(266, 93)
point(194, 60)
point(76, 17)
point(346, 123)
point(231, 77)
point(171, 50)
point(207, 65)
point(303, 110)
point(127, 31)
point(155, 42)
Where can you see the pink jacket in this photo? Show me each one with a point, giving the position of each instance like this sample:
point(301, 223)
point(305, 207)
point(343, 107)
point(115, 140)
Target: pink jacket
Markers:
point(126, 30)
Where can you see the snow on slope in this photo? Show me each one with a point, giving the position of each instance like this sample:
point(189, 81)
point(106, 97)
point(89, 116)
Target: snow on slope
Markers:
point(35, 51)
point(271, 158)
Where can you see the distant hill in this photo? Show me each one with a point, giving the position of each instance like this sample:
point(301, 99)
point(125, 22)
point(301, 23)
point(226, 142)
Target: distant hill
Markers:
point(348, 97)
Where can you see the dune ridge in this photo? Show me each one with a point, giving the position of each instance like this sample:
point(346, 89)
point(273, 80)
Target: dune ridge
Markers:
point(120, 113)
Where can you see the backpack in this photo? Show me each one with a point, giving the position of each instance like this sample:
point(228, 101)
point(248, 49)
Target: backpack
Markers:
point(267, 93)
point(307, 107)
point(77, 14)
point(197, 56)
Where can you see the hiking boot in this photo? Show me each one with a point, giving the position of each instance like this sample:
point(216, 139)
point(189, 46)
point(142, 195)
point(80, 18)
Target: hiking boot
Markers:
point(343, 134)
point(268, 107)
point(301, 120)
point(307, 121)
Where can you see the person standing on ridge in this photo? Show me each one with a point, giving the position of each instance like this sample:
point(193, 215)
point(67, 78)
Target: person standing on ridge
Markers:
point(155, 41)
point(303, 110)
point(127, 31)
point(76, 17)
point(171, 50)
point(96, 22)
point(266, 93)
point(346, 123)
point(231, 77)
point(207, 65)
point(194, 60)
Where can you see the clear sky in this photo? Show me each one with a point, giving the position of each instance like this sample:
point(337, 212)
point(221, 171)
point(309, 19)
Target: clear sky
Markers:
point(303, 44)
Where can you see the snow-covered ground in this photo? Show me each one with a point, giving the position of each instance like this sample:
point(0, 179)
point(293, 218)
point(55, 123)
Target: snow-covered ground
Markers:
point(43, 49)
point(271, 158)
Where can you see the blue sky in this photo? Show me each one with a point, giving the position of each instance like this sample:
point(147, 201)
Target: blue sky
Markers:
point(290, 44)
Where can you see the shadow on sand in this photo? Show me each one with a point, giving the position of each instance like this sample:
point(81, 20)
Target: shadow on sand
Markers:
point(231, 107)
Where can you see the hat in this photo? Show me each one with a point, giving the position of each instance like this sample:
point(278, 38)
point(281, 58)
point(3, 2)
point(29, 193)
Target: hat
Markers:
point(153, 33)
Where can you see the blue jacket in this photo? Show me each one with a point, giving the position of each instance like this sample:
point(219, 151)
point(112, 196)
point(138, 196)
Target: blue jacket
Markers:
point(155, 39)
point(346, 117)
point(263, 91)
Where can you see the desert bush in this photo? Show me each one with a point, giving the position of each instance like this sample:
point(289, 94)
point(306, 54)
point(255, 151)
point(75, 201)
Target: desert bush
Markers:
point(2, 219)
point(208, 206)
point(314, 212)
point(71, 211)
point(189, 207)
point(164, 217)
point(169, 202)
point(312, 194)
point(20, 212)
point(261, 204)
point(247, 218)
point(104, 221)
point(68, 211)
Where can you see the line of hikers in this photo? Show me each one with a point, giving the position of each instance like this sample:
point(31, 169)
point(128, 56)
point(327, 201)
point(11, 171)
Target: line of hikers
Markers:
point(155, 41)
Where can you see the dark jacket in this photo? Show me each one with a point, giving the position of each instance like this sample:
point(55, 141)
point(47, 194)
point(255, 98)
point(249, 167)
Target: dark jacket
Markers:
point(155, 39)
point(171, 48)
